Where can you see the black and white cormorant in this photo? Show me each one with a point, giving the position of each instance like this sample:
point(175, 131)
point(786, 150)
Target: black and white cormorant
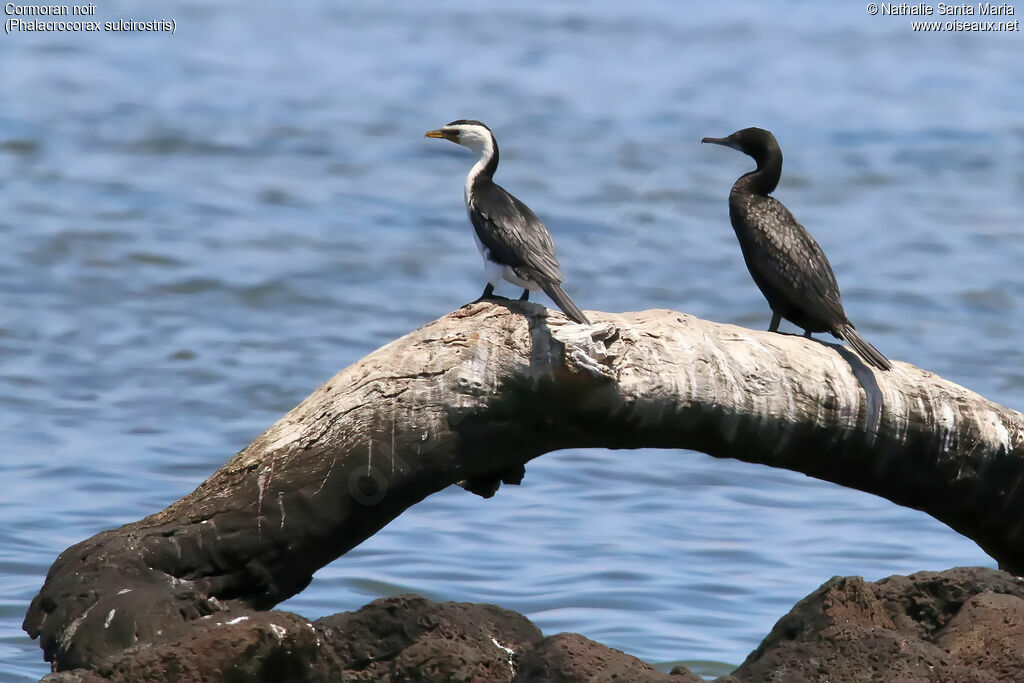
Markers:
point(514, 243)
point(786, 263)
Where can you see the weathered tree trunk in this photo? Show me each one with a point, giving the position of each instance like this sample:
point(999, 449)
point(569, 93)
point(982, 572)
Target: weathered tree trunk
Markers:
point(472, 397)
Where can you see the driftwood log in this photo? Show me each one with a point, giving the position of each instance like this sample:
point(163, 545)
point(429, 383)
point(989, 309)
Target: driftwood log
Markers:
point(471, 398)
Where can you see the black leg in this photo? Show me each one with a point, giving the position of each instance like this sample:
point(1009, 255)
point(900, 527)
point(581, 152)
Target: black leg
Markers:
point(525, 296)
point(776, 319)
point(488, 293)
point(807, 333)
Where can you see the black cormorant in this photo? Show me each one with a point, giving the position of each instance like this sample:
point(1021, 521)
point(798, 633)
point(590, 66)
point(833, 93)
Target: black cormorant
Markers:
point(786, 263)
point(514, 243)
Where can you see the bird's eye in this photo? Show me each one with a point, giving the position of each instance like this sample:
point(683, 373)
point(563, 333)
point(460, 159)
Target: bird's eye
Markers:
point(455, 132)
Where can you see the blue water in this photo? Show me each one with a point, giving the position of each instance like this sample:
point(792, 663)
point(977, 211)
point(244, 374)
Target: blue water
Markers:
point(200, 228)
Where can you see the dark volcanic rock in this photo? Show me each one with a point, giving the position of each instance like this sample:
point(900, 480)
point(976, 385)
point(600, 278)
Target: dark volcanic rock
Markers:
point(251, 646)
point(411, 638)
point(962, 625)
point(404, 638)
point(569, 657)
point(988, 633)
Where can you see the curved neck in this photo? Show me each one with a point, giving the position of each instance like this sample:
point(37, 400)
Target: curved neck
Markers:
point(487, 164)
point(765, 178)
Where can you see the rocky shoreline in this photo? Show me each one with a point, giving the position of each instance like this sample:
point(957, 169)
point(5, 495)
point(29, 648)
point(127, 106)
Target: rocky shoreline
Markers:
point(963, 625)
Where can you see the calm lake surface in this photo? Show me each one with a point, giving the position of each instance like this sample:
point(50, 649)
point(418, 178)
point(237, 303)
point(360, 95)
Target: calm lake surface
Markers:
point(198, 229)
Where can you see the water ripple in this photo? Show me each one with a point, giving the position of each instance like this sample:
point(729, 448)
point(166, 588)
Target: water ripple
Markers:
point(196, 238)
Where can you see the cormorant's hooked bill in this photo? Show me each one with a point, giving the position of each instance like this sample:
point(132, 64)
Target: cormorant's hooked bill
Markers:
point(726, 142)
point(513, 242)
point(786, 263)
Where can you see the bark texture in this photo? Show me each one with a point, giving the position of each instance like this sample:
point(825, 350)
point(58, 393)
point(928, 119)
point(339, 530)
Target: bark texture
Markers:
point(472, 397)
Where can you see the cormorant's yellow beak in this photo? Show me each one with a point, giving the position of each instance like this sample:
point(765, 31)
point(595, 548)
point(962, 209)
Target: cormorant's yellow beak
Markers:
point(436, 134)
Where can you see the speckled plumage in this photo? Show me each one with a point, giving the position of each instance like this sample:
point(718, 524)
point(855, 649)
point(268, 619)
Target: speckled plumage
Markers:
point(786, 263)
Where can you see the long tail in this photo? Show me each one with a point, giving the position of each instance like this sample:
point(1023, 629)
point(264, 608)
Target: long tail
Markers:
point(866, 350)
point(553, 290)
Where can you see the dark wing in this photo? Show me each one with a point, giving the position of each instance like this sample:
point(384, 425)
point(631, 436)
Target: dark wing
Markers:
point(786, 256)
point(512, 232)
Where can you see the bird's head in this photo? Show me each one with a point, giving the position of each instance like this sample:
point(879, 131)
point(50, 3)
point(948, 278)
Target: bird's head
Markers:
point(755, 142)
point(467, 133)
